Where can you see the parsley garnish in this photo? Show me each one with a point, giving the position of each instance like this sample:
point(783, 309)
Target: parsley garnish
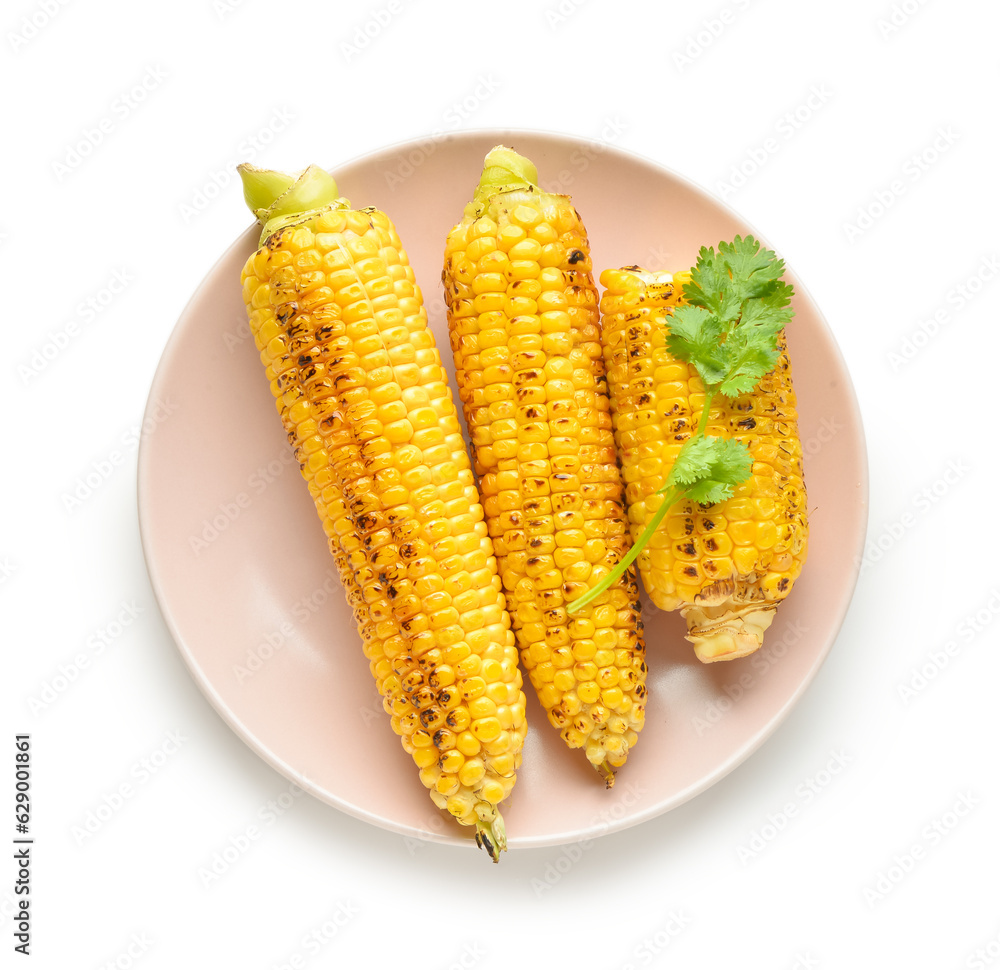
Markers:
point(737, 304)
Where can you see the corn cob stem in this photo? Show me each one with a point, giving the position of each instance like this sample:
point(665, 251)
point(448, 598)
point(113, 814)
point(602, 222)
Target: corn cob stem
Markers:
point(491, 836)
point(504, 171)
point(277, 198)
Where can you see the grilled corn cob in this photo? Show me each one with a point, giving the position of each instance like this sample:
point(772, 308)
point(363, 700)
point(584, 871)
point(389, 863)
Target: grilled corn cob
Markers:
point(523, 318)
point(728, 565)
point(342, 332)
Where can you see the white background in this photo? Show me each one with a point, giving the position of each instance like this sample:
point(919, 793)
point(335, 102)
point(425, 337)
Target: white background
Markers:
point(895, 102)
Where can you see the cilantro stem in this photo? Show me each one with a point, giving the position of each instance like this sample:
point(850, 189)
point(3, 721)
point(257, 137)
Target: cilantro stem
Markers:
point(710, 393)
point(670, 498)
point(672, 494)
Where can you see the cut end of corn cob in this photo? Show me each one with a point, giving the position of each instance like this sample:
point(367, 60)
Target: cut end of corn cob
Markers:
point(727, 620)
point(724, 566)
point(342, 332)
point(524, 324)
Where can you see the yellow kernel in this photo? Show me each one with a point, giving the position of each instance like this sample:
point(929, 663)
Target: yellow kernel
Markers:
point(745, 559)
point(451, 761)
point(509, 236)
point(425, 757)
point(527, 248)
point(486, 729)
point(503, 764)
point(548, 695)
point(612, 697)
point(472, 772)
point(462, 805)
point(493, 792)
point(472, 687)
point(466, 743)
point(446, 784)
point(525, 216)
point(480, 247)
point(564, 680)
point(482, 707)
point(484, 226)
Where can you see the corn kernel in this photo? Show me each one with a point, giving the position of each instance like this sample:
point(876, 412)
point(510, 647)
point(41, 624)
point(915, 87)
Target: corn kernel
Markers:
point(486, 729)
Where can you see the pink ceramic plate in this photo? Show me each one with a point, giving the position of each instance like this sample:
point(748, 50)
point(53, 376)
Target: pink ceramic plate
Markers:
point(240, 567)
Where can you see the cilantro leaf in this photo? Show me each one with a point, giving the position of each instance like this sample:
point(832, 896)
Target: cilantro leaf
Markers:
point(708, 469)
point(751, 267)
point(710, 286)
point(693, 461)
point(695, 336)
point(737, 304)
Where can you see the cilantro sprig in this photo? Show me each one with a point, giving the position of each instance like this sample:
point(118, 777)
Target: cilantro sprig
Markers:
point(727, 331)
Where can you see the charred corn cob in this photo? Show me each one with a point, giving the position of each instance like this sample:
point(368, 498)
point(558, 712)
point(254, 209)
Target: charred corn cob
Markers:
point(357, 380)
point(523, 318)
point(725, 566)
